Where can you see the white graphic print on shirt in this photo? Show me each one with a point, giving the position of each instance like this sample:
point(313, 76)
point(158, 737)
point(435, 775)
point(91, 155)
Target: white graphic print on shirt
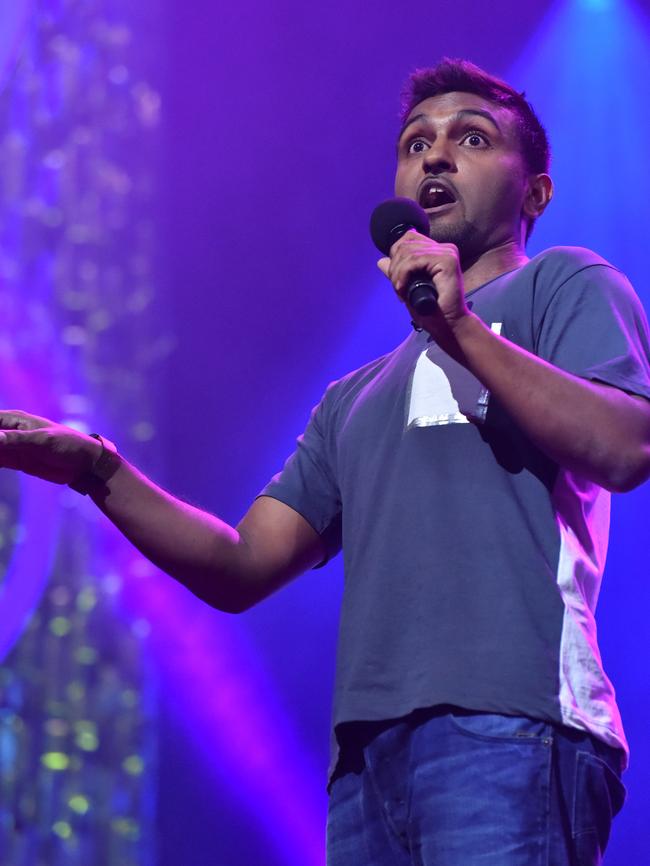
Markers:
point(444, 392)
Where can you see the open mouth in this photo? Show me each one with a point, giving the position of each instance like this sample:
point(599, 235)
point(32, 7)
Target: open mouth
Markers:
point(435, 194)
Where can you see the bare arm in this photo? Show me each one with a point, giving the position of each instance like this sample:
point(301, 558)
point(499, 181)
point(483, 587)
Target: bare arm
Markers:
point(230, 568)
point(596, 430)
point(591, 428)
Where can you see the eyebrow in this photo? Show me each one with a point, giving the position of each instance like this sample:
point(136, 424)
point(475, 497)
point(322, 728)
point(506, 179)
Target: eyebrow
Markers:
point(464, 112)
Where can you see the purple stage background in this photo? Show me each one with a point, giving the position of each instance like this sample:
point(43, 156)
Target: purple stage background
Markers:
point(281, 122)
point(277, 139)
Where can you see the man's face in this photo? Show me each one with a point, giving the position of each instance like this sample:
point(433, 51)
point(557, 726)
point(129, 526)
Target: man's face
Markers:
point(458, 155)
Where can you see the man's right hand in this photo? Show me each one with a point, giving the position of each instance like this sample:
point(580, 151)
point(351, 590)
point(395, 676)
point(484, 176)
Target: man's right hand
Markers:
point(42, 448)
point(229, 568)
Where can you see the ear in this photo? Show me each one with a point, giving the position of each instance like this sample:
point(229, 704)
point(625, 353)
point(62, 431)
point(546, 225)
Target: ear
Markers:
point(538, 195)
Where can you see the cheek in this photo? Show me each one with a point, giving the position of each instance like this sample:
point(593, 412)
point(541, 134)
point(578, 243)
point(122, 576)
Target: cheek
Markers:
point(402, 177)
point(502, 191)
point(513, 180)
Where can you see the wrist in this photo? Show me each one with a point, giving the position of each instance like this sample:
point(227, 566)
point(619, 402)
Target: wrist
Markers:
point(104, 463)
point(93, 448)
point(460, 331)
point(466, 326)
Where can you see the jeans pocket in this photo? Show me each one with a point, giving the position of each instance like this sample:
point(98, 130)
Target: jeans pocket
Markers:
point(598, 796)
point(500, 728)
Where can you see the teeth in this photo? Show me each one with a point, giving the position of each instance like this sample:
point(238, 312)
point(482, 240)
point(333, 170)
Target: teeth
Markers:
point(432, 192)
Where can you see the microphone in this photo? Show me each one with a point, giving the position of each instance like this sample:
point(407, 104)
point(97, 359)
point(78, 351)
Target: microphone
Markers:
point(388, 222)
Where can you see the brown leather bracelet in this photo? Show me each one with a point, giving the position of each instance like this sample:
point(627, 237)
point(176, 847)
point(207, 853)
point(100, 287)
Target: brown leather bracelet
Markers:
point(106, 465)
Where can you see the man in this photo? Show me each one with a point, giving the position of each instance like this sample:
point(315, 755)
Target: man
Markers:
point(466, 476)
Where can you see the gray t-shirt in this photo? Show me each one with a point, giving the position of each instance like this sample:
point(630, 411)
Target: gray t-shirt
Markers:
point(472, 561)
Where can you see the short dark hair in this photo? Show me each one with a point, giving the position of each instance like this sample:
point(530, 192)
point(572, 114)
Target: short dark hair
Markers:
point(451, 76)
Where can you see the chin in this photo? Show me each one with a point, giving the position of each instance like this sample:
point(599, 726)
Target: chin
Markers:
point(460, 232)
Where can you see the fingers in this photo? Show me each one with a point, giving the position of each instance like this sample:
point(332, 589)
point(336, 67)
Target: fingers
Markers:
point(17, 439)
point(54, 453)
point(414, 241)
point(14, 437)
point(384, 266)
point(15, 419)
point(414, 254)
point(12, 447)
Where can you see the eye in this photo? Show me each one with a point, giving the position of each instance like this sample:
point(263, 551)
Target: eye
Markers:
point(475, 139)
point(418, 145)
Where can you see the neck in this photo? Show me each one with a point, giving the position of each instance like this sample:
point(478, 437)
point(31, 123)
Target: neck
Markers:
point(492, 263)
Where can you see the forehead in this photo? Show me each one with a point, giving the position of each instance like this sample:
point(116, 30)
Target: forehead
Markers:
point(444, 107)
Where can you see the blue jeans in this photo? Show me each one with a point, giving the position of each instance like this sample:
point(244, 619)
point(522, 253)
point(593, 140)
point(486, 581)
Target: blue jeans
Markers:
point(452, 788)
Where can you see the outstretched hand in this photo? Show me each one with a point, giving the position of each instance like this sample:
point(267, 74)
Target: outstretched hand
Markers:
point(42, 448)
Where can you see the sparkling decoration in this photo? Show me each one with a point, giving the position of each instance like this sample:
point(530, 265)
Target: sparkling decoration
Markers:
point(78, 343)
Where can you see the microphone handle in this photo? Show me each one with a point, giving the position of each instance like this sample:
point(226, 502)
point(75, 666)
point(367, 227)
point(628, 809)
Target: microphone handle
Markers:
point(422, 295)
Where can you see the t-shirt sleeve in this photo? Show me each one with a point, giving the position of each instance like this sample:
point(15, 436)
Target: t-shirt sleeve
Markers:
point(595, 327)
point(307, 481)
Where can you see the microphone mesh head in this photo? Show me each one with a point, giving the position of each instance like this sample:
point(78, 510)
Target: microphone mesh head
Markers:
point(392, 218)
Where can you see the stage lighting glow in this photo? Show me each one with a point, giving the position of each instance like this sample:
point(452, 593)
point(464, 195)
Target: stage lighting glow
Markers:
point(588, 76)
point(56, 761)
point(596, 5)
point(66, 193)
point(229, 708)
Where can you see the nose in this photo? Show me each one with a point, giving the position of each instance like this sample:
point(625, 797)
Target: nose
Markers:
point(438, 158)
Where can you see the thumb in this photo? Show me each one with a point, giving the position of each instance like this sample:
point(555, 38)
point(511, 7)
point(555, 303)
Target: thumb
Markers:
point(384, 264)
point(13, 437)
point(12, 451)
